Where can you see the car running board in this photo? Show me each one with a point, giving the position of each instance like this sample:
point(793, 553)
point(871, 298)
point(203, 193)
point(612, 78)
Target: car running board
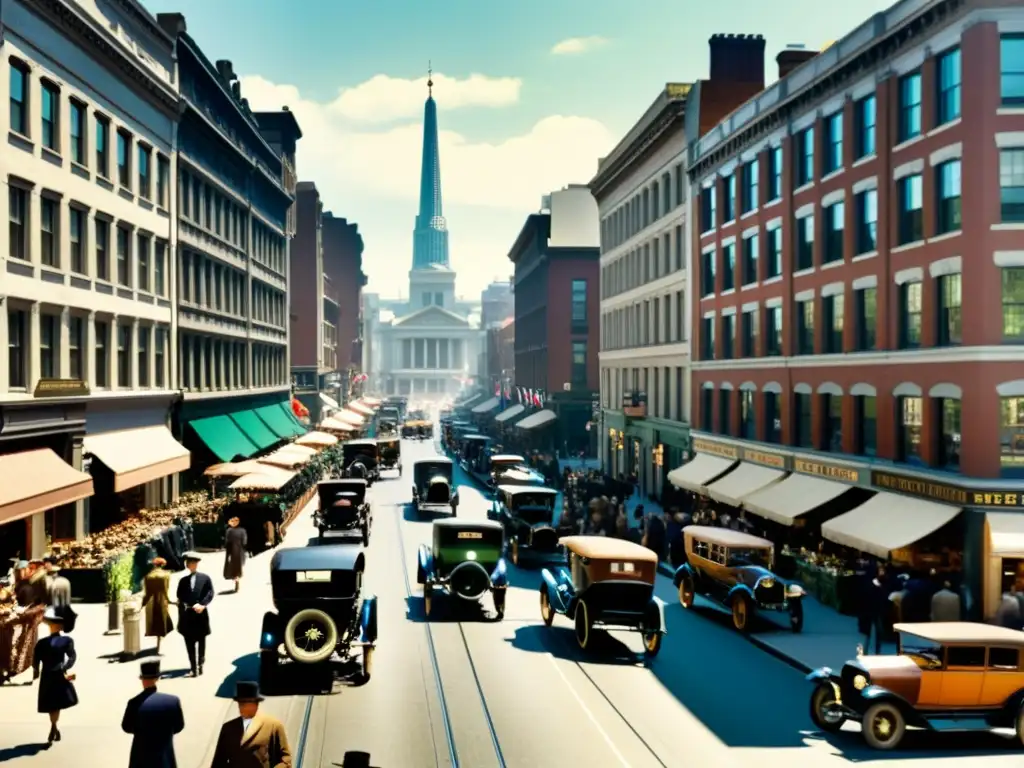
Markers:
point(946, 725)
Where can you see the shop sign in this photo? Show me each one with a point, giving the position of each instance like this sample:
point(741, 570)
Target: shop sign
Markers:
point(715, 449)
point(634, 404)
point(946, 493)
point(829, 471)
point(61, 388)
point(773, 460)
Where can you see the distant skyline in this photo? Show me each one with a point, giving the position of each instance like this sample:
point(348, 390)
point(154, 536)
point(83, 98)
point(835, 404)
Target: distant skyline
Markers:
point(523, 108)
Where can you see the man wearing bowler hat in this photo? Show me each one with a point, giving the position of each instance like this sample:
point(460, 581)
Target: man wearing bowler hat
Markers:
point(195, 593)
point(253, 739)
point(153, 718)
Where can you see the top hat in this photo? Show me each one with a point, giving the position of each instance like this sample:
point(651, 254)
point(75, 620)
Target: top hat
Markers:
point(149, 670)
point(52, 617)
point(247, 691)
point(190, 556)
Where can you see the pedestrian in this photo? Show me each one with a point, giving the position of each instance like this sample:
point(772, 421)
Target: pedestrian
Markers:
point(655, 535)
point(156, 591)
point(235, 542)
point(876, 604)
point(39, 581)
point(1008, 614)
point(253, 738)
point(195, 593)
point(60, 587)
point(54, 656)
point(153, 719)
point(24, 594)
point(946, 604)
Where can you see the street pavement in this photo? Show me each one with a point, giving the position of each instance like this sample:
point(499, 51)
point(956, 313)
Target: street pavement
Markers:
point(510, 693)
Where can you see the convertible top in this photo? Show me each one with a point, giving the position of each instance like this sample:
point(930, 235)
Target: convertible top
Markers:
point(436, 460)
point(533, 490)
point(342, 482)
point(507, 458)
point(604, 548)
point(469, 525)
point(356, 443)
point(331, 557)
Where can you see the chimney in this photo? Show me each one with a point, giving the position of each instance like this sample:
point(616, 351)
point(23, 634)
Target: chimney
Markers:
point(172, 23)
point(236, 89)
point(792, 57)
point(226, 71)
point(737, 58)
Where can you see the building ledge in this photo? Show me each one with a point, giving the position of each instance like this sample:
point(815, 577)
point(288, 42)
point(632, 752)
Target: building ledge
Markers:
point(222, 394)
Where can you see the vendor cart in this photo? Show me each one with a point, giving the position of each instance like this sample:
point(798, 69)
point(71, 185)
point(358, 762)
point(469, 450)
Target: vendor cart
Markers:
point(18, 635)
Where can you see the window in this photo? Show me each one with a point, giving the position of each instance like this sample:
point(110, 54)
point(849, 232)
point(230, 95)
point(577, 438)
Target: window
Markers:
point(49, 339)
point(102, 249)
point(832, 423)
point(774, 173)
point(728, 336)
point(725, 411)
point(910, 417)
point(805, 327)
point(76, 347)
point(17, 348)
point(1011, 69)
point(1004, 658)
point(50, 239)
point(910, 107)
point(773, 331)
point(124, 159)
point(750, 183)
point(163, 180)
point(102, 372)
point(865, 418)
point(947, 188)
point(910, 316)
point(833, 159)
point(159, 355)
point(707, 273)
point(142, 263)
point(834, 316)
point(948, 86)
point(949, 441)
point(772, 418)
point(123, 256)
point(579, 306)
point(804, 243)
point(76, 113)
point(19, 79)
point(865, 114)
point(76, 231)
point(866, 211)
point(1013, 304)
point(50, 112)
point(748, 338)
point(866, 302)
point(833, 222)
point(773, 253)
point(805, 158)
point(1011, 185)
point(144, 156)
point(749, 276)
point(707, 408)
point(579, 363)
point(142, 356)
point(729, 267)
point(748, 420)
point(17, 222)
point(911, 216)
point(802, 420)
point(102, 152)
point(708, 212)
point(950, 319)
point(1011, 435)
point(124, 356)
point(729, 199)
point(707, 338)
point(160, 270)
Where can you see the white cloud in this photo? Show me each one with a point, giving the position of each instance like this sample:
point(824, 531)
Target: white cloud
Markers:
point(574, 45)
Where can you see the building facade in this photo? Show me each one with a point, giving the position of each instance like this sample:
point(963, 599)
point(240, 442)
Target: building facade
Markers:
point(497, 303)
point(834, 256)
point(345, 279)
point(501, 355)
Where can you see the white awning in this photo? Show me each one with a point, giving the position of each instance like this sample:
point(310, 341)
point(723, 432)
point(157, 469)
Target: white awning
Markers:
point(350, 417)
point(509, 413)
point(138, 456)
point(329, 401)
point(785, 501)
point(487, 405)
point(1006, 533)
point(743, 481)
point(362, 410)
point(697, 472)
point(887, 522)
point(538, 419)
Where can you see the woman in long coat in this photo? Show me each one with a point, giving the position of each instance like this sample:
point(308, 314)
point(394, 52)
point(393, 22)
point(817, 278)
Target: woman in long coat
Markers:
point(156, 600)
point(54, 657)
point(235, 542)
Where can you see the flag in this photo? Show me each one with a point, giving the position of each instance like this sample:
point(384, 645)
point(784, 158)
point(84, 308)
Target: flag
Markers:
point(519, 395)
point(508, 392)
point(538, 400)
point(497, 389)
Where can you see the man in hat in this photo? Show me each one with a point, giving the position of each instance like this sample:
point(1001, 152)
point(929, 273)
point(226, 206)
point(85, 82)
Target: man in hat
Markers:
point(253, 738)
point(195, 593)
point(23, 592)
point(60, 587)
point(153, 719)
point(39, 579)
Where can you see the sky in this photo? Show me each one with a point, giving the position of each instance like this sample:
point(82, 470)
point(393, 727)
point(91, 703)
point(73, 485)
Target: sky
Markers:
point(530, 94)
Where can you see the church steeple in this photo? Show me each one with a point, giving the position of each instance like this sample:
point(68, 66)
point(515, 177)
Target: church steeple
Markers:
point(430, 237)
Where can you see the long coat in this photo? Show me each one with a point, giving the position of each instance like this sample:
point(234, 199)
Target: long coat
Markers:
point(153, 718)
point(263, 745)
point(156, 590)
point(60, 591)
point(235, 542)
point(190, 623)
point(54, 656)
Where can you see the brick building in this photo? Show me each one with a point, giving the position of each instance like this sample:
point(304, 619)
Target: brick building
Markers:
point(501, 354)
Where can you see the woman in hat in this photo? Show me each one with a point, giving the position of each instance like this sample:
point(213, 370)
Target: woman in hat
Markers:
point(156, 599)
point(235, 542)
point(54, 656)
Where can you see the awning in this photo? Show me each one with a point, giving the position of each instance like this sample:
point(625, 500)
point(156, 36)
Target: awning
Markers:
point(470, 401)
point(887, 522)
point(509, 413)
point(267, 479)
point(487, 405)
point(137, 456)
point(538, 419)
point(696, 473)
point(317, 439)
point(362, 410)
point(1005, 533)
point(335, 425)
point(372, 401)
point(278, 421)
point(329, 401)
point(350, 417)
point(287, 408)
point(35, 481)
point(743, 481)
point(797, 495)
point(223, 437)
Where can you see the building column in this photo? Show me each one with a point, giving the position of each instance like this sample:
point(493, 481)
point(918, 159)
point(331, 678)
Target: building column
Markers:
point(34, 356)
point(89, 352)
point(81, 524)
point(133, 354)
point(64, 353)
point(4, 359)
point(154, 331)
point(112, 382)
point(201, 363)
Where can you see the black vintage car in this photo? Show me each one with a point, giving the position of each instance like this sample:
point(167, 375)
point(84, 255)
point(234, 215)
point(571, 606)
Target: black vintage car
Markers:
point(418, 429)
point(361, 459)
point(433, 486)
point(342, 506)
point(465, 560)
point(390, 453)
point(528, 515)
point(319, 609)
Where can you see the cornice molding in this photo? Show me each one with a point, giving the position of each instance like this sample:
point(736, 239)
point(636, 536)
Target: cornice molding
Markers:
point(674, 112)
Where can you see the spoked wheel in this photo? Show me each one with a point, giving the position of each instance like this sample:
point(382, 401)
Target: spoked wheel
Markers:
point(825, 712)
point(311, 636)
point(583, 625)
point(741, 614)
point(428, 599)
point(686, 591)
point(514, 551)
point(367, 662)
point(547, 613)
point(883, 726)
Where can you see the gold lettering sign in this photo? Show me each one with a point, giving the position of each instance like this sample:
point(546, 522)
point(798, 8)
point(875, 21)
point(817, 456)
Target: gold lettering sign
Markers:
point(927, 489)
point(61, 388)
point(996, 499)
point(767, 459)
point(831, 471)
point(716, 449)
point(677, 90)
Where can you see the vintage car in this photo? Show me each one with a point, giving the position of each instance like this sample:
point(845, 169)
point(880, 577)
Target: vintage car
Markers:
point(319, 610)
point(735, 570)
point(453, 432)
point(528, 515)
point(418, 429)
point(361, 459)
point(389, 449)
point(342, 506)
point(608, 583)
point(945, 676)
point(398, 404)
point(464, 560)
point(433, 486)
point(474, 455)
point(511, 469)
point(387, 428)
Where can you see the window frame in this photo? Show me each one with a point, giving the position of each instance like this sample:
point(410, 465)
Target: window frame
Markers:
point(21, 124)
point(49, 127)
point(1011, 178)
point(910, 220)
point(948, 103)
point(1014, 75)
point(909, 101)
point(78, 144)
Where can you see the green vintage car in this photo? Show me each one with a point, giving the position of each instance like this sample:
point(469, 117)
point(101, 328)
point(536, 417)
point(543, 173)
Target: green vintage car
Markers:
point(465, 560)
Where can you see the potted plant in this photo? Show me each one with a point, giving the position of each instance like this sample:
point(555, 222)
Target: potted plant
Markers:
point(118, 577)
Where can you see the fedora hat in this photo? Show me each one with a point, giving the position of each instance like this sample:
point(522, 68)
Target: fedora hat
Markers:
point(247, 691)
point(194, 557)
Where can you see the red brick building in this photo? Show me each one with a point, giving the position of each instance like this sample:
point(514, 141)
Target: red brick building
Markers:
point(501, 354)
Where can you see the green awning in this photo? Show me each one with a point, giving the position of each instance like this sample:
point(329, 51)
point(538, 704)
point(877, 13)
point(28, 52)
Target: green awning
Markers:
point(255, 429)
point(223, 437)
point(298, 426)
point(274, 418)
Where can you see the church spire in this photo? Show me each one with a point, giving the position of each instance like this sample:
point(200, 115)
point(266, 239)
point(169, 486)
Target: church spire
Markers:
point(430, 237)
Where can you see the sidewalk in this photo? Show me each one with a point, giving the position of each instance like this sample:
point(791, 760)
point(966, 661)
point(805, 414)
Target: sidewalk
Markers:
point(92, 731)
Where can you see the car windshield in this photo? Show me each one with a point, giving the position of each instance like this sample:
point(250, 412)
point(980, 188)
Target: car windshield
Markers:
point(750, 556)
point(927, 654)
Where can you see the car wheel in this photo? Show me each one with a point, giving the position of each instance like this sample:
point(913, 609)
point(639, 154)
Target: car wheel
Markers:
point(1020, 725)
point(742, 613)
point(883, 725)
point(421, 577)
point(796, 616)
point(652, 644)
point(310, 636)
point(366, 534)
point(547, 613)
point(428, 599)
point(686, 591)
point(583, 625)
point(514, 551)
point(320, 534)
point(499, 602)
point(367, 662)
point(268, 667)
point(825, 712)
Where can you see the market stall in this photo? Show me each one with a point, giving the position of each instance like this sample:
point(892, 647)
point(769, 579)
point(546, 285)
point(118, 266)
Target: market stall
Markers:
point(19, 631)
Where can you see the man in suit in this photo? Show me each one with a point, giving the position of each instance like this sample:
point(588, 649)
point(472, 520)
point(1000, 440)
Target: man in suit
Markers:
point(253, 739)
point(60, 587)
point(195, 593)
point(153, 719)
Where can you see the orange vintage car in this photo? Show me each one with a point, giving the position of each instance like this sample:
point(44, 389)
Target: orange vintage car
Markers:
point(946, 676)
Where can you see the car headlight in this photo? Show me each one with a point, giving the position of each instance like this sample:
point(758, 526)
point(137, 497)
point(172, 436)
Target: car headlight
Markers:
point(860, 682)
point(794, 590)
point(471, 555)
point(768, 582)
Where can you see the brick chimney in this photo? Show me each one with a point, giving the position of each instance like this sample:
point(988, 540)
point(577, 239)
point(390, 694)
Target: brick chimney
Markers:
point(737, 58)
point(792, 57)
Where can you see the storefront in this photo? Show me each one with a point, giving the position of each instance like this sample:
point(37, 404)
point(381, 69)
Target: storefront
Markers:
point(574, 411)
point(613, 442)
